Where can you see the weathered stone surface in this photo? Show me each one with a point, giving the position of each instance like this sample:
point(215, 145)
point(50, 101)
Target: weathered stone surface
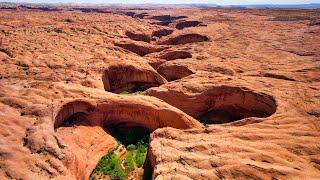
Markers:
point(89, 141)
point(185, 24)
point(204, 92)
point(138, 36)
point(184, 39)
point(278, 143)
point(121, 77)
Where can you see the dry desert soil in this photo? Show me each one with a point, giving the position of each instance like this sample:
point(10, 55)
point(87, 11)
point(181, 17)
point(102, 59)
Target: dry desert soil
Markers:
point(218, 93)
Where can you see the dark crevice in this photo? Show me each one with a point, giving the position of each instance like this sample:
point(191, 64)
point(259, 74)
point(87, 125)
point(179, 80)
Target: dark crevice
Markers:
point(133, 139)
point(277, 76)
point(167, 17)
point(235, 112)
point(133, 87)
point(172, 55)
point(162, 32)
point(165, 20)
point(185, 39)
point(140, 49)
point(135, 15)
point(131, 79)
point(186, 24)
point(218, 117)
point(79, 118)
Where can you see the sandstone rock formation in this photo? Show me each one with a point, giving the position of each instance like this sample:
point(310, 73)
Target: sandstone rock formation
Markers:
point(162, 32)
point(140, 49)
point(224, 98)
point(172, 55)
point(129, 77)
point(138, 37)
point(73, 150)
point(174, 71)
point(254, 137)
point(80, 125)
point(180, 68)
point(184, 24)
point(184, 39)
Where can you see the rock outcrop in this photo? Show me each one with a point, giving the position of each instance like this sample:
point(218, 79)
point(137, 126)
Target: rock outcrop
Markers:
point(147, 112)
point(162, 32)
point(185, 24)
point(184, 39)
point(138, 36)
point(174, 71)
point(139, 48)
point(85, 120)
point(130, 77)
point(216, 98)
point(172, 55)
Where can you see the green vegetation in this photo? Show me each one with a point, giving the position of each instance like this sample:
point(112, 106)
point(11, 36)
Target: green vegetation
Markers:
point(130, 92)
point(141, 152)
point(110, 165)
point(125, 92)
point(138, 92)
point(136, 141)
point(130, 161)
point(131, 147)
point(138, 88)
point(137, 154)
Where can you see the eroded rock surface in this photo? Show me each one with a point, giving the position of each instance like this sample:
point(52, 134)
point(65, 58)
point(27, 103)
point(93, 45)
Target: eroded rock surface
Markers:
point(162, 32)
point(174, 71)
point(140, 49)
point(80, 124)
point(138, 36)
point(172, 55)
point(186, 24)
point(184, 39)
point(251, 138)
point(218, 97)
point(130, 77)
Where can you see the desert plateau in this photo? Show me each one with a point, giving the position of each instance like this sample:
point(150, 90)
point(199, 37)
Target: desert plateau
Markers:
point(159, 93)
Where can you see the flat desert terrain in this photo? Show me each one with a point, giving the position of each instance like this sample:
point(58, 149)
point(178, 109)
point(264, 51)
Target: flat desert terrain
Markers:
point(159, 93)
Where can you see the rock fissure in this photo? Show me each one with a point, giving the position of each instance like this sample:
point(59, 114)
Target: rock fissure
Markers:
point(140, 49)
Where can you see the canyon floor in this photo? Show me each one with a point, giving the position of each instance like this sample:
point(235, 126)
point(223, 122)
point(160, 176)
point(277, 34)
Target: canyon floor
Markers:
point(225, 93)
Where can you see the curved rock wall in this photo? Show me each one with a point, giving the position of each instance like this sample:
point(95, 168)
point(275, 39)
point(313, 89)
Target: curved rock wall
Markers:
point(185, 39)
point(124, 77)
point(146, 112)
point(234, 101)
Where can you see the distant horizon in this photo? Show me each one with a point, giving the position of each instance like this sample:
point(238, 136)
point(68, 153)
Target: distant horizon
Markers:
point(173, 2)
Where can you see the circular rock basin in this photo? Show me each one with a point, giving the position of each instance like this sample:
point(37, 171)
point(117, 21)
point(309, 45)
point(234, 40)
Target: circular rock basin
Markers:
point(219, 104)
